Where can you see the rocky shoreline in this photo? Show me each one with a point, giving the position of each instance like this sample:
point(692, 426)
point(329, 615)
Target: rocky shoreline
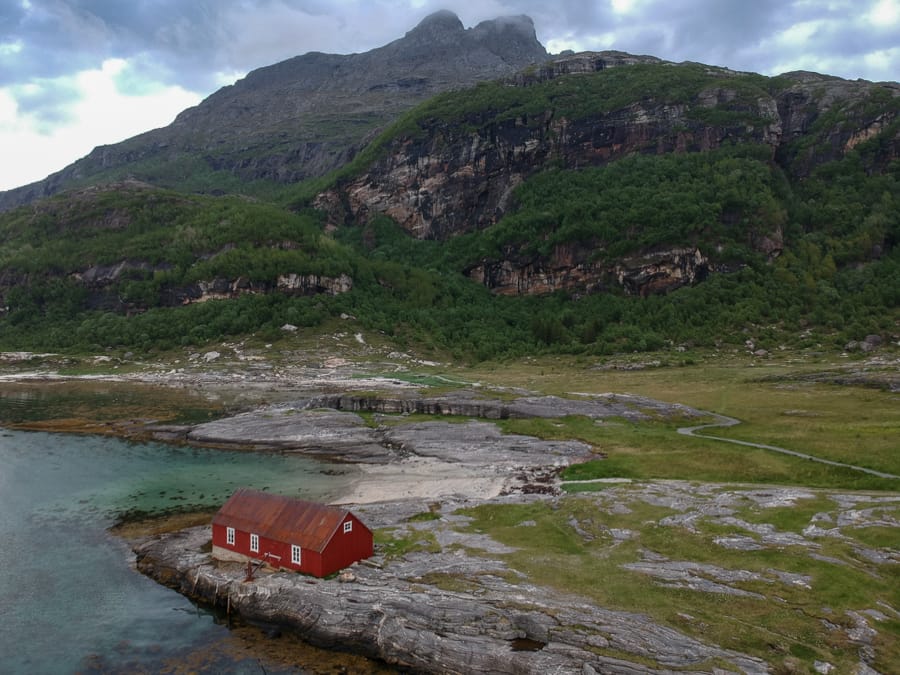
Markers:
point(450, 599)
point(385, 608)
point(389, 608)
point(400, 458)
point(441, 596)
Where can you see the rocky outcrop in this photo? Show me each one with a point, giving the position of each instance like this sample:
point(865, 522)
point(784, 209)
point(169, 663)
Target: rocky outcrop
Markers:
point(102, 283)
point(388, 610)
point(470, 404)
point(661, 272)
point(308, 115)
point(571, 268)
point(825, 117)
point(291, 284)
point(583, 63)
point(327, 425)
point(449, 179)
point(464, 602)
point(314, 284)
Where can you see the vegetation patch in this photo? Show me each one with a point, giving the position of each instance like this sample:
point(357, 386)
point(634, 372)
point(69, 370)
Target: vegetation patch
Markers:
point(826, 288)
point(852, 424)
point(794, 518)
point(396, 542)
point(556, 552)
point(446, 581)
point(424, 516)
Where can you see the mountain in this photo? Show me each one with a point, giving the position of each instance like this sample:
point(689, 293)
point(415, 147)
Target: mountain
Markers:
point(305, 116)
point(574, 112)
point(587, 203)
point(594, 109)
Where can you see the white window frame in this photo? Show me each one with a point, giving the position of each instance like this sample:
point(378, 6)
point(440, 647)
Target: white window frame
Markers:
point(296, 555)
point(348, 527)
point(229, 536)
point(254, 543)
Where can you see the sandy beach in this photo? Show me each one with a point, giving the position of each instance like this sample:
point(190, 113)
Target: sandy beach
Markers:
point(425, 478)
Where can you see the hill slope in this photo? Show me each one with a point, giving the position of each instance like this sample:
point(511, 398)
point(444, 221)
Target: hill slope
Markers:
point(593, 204)
point(304, 116)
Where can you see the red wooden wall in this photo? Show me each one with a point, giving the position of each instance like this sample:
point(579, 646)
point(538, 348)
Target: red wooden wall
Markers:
point(341, 550)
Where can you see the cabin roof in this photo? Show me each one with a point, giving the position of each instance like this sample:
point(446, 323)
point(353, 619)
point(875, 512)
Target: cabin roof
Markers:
point(308, 524)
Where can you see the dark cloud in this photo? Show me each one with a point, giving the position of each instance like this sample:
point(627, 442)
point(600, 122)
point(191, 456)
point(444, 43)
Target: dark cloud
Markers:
point(192, 43)
point(11, 15)
point(732, 33)
point(47, 102)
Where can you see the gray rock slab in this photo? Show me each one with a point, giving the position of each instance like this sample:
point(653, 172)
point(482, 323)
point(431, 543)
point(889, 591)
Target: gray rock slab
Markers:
point(389, 613)
point(470, 403)
point(483, 443)
point(328, 432)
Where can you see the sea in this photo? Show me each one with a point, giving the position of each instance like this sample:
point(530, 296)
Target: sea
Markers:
point(70, 598)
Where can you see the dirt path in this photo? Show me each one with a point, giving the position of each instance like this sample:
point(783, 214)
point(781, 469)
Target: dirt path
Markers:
point(723, 421)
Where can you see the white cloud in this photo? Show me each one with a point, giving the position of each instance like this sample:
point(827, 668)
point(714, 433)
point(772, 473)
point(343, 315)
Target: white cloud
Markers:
point(799, 33)
point(598, 42)
point(8, 109)
point(102, 115)
point(885, 13)
point(882, 65)
point(7, 48)
point(622, 6)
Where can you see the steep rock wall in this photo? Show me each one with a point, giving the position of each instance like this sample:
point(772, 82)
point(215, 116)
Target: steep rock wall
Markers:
point(453, 180)
point(570, 268)
point(102, 283)
point(457, 178)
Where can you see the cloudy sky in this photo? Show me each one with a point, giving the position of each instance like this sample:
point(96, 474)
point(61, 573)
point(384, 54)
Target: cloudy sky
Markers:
point(75, 74)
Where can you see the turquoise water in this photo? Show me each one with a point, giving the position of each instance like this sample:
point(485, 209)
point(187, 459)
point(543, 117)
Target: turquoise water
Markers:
point(69, 599)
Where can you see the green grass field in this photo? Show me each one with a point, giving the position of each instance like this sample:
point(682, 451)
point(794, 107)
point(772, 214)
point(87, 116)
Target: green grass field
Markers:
point(788, 624)
point(851, 424)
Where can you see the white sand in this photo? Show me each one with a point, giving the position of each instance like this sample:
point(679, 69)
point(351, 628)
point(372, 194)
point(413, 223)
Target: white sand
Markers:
point(424, 478)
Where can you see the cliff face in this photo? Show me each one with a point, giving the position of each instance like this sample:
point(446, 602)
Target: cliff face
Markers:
point(825, 117)
point(454, 181)
point(450, 178)
point(570, 269)
point(307, 115)
point(102, 289)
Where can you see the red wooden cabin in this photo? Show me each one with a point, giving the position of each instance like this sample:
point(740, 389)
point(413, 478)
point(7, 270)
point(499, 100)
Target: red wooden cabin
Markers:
point(289, 533)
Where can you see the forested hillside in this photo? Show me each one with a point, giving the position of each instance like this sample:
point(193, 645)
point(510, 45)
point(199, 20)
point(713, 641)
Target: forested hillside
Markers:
point(592, 206)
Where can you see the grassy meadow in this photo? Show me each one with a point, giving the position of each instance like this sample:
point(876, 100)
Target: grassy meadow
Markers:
point(792, 609)
point(851, 424)
point(800, 594)
point(806, 576)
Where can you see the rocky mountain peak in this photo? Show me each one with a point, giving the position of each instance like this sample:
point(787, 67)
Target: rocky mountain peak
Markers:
point(441, 25)
point(511, 38)
point(520, 26)
point(309, 114)
point(440, 38)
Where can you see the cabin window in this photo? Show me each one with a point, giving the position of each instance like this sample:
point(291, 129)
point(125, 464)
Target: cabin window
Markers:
point(348, 526)
point(229, 536)
point(295, 554)
point(254, 543)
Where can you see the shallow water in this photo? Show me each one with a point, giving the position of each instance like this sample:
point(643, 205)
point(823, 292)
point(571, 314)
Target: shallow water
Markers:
point(69, 598)
point(28, 403)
